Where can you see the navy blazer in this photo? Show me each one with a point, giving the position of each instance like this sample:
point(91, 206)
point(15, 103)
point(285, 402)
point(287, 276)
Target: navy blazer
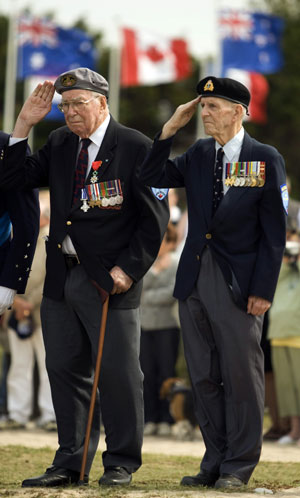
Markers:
point(16, 254)
point(246, 234)
point(128, 237)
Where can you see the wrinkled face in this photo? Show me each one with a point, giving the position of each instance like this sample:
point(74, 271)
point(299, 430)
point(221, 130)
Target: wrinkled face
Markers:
point(85, 118)
point(218, 116)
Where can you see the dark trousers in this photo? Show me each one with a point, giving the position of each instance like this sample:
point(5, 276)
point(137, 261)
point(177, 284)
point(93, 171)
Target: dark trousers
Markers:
point(159, 350)
point(71, 334)
point(225, 362)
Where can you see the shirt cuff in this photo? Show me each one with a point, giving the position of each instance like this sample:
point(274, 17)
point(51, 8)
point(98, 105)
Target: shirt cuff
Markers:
point(14, 140)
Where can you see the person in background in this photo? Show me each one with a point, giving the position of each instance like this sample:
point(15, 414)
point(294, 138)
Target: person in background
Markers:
point(279, 425)
point(160, 334)
point(294, 209)
point(105, 232)
point(237, 203)
point(26, 343)
point(19, 226)
point(175, 211)
point(284, 334)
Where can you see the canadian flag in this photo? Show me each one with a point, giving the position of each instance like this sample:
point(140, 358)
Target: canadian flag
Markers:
point(148, 59)
point(258, 88)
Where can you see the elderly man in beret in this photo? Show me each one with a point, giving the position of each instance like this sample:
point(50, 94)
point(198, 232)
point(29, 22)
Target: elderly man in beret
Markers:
point(237, 205)
point(106, 228)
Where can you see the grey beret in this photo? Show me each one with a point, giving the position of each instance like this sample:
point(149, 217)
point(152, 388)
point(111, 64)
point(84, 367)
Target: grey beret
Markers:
point(81, 78)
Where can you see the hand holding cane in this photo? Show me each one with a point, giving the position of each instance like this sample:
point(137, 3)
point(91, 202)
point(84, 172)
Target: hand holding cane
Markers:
point(94, 390)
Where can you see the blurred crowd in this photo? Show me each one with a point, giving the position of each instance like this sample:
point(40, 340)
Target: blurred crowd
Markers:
point(25, 395)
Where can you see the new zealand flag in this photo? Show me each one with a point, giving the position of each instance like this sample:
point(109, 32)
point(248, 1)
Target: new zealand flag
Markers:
point(250, 41)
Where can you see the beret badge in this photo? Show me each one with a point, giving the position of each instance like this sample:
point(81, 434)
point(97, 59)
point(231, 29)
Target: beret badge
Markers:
point(68, 80)
point(209, 86)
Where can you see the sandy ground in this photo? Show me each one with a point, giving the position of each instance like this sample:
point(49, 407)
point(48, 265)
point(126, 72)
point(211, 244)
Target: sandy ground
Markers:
point(37, 438)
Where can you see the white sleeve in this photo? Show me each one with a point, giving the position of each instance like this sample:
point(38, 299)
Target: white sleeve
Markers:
point(14, 140)
point(6, 298)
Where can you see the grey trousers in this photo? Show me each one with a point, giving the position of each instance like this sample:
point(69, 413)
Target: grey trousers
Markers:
point(225, 363)
point(71, 335)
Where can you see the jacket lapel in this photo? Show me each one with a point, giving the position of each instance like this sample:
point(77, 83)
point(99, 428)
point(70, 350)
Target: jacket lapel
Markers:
point(69, 154)
point(234, 193)
point(206, 178)
point(106, 151)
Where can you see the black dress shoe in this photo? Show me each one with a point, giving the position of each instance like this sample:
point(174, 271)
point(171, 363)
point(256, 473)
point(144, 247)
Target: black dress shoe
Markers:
point(227, 481)
point(54, 476)
point(114, 476)
point(201, 479)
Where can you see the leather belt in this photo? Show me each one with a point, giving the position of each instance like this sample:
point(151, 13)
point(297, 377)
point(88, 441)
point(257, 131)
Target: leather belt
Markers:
point(71, 260)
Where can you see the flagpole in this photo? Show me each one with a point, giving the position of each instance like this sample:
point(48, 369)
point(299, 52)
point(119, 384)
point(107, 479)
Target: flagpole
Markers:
point(10, 75)
point(114, 76)
point(114, 81)
point(27, 92)
point(199, 122)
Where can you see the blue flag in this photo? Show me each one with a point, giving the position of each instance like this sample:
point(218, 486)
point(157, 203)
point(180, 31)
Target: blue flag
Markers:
point(251, 41)
point(49, 50)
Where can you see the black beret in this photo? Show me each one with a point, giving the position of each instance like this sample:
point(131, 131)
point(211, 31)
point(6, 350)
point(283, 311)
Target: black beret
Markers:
point(224, 88)
point(81, 78)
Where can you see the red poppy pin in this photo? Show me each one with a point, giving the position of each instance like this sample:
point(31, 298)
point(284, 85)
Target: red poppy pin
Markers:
point(95, 166)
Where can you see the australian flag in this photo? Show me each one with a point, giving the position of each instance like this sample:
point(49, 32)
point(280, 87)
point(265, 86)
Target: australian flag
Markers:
point(251, 41)
point(46, 49)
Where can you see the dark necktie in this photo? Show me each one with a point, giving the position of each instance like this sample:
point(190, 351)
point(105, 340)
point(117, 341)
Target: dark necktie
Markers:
point(218, 180)
point(80, 172)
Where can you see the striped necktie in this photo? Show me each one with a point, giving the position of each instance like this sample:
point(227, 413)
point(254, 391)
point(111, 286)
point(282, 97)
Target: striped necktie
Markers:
point(218, 180)
point(81, 168)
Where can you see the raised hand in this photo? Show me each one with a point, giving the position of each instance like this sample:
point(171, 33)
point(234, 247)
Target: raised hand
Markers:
point(180, 118)
point(35, 108)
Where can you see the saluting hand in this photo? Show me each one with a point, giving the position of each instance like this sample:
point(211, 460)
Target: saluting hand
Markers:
point(257, 305)
point(122, 281)
point(35, 108)
point(180, 118)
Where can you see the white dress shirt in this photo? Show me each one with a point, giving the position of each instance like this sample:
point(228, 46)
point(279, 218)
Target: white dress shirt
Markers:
point(232, 150)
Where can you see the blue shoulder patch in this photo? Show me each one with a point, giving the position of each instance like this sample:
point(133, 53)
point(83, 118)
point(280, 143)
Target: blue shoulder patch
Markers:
point(284, 196)
point(160, 193)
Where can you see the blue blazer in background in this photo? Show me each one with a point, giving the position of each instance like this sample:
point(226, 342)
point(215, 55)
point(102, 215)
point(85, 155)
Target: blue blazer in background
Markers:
point(17, 250)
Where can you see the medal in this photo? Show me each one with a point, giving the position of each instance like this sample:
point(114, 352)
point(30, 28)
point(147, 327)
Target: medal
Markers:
point(95, 166)
point(104, 202)
point(232, 180)
point(85, 207)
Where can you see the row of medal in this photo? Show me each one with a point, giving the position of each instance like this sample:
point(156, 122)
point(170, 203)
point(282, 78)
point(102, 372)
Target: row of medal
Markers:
point(104, 195)
point(245, 174)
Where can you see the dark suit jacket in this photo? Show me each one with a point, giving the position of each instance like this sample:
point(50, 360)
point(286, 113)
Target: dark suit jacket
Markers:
point(129, 237)
point(16, 254)
point(247, 232)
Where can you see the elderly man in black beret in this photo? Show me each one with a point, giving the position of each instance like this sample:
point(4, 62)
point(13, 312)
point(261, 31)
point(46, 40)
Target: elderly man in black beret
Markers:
point(237, 205)
point(106, 228)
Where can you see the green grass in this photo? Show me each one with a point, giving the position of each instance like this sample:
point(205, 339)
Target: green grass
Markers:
point(159, 475)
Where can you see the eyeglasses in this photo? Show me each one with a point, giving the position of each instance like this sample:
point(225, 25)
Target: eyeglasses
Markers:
point(77, 105)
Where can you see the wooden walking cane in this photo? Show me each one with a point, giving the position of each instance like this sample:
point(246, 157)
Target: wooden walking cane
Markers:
point(94, 390)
